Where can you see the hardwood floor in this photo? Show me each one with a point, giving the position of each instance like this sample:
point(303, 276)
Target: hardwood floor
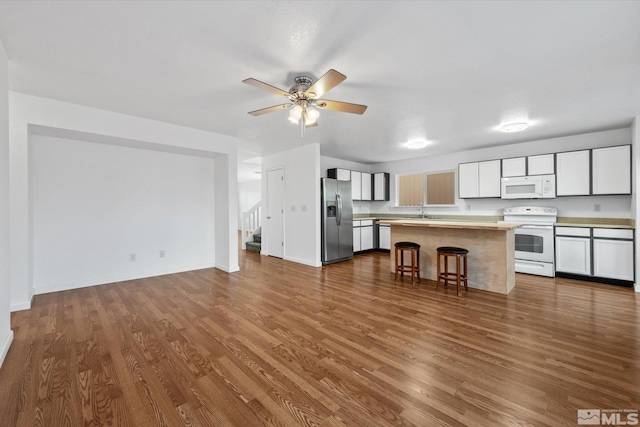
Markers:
point(282, 344)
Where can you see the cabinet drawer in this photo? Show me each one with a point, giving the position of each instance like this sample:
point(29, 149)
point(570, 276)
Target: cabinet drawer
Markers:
point(356, 223)
point(613, 233)
point(366, 222)
point(573, 231)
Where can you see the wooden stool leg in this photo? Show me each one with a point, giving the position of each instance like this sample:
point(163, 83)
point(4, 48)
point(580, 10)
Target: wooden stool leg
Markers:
point(466, 288)
point(418, 264)
point(446, 271)
point(458, 274)
point(438, 270)
point(396, 272)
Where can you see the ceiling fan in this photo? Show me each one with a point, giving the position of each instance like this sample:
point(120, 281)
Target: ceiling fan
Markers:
point(304, 95)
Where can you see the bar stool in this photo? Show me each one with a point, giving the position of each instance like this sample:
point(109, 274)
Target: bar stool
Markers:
point(415, 260)
point(459, 277)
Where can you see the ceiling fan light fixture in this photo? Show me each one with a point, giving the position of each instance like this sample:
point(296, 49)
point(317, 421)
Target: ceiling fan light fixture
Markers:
point(514, 127)
point(312, 113)
point(293, 119)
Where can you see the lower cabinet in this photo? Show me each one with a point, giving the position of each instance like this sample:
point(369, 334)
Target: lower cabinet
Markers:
point(613, 258)
point(362, 235)
point(384, 237)
point(598, 253)
point(573, 255)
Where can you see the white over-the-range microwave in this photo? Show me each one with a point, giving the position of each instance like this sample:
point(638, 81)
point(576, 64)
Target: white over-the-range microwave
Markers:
point(529, 187)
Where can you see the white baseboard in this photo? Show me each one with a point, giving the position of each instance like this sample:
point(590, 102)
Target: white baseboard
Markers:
point(227, 268)
point(5, 346)
point(303, 261)
point(25, 305)
point(116, 278)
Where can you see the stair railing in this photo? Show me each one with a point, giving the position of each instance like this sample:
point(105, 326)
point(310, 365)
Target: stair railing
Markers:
point(250, 224)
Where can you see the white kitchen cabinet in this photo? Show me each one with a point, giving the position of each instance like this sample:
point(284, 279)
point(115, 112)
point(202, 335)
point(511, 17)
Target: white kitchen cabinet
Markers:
point(573, 173)
point(573, 255)
point(543, 164)
point(356, 238)
point(489, 179)
point(613, 253)
point(613, 259)
point(381, 186)
point(467, 180)
point(479, 179)
point(611, 170)
point(366, 238)
point(514, 167)
point(384, 237)
point(356, 185)
point(366, 186)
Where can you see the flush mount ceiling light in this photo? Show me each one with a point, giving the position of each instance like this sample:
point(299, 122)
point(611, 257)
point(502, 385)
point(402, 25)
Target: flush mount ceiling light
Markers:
point(514, 127)
point(304, 95)
point(415, 145)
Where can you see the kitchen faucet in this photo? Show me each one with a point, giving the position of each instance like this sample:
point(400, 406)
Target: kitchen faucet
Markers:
point(423, 211)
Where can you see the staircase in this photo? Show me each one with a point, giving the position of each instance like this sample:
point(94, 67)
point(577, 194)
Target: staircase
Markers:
point(251, 222)
point(256, 244)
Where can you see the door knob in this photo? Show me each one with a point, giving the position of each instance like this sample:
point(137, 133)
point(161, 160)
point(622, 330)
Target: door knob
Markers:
point(268, 217)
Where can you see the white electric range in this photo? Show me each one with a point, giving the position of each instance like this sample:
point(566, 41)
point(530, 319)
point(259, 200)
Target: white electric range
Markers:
point(534, 239)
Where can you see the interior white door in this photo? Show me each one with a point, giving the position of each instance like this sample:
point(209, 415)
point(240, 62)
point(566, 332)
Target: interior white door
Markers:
point(275, 213)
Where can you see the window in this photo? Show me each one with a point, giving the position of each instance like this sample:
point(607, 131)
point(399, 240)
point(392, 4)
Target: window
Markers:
point(426, 189)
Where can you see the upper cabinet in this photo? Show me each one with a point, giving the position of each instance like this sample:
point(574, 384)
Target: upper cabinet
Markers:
point(479, 179)
point(573, 173)
point(381, 186)
point(367, 193)
point(516, 166)
point(356, 185)
point(362, 183)
point(541, 165)
point(611, 170)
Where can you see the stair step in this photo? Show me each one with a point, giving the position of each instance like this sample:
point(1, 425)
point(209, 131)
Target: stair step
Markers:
point(254, 246)
point(257, 238)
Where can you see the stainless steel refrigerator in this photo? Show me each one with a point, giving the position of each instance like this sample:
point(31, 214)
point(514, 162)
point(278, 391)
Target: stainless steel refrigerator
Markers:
point(337, 220)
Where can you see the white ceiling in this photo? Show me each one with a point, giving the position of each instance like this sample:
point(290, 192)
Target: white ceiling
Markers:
point(448, 72)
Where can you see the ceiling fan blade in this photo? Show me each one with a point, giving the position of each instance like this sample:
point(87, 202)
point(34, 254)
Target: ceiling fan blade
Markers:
point(324, 84)
point(311, 125)
point(345, 107)
point(270, 109)
point(264, 86)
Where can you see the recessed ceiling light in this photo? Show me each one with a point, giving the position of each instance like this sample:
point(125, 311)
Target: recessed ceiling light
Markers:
point(414, 145)
point(514, 127)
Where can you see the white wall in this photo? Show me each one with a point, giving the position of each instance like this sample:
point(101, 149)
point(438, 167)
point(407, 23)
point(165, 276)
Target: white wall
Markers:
point(301, 189)
point(95, 204)
point(30, 112)
point(612, 206)
point(6, 334)
point(249, 193)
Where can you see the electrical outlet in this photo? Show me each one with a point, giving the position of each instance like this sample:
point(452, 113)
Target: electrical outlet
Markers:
point(162, 253)
point(303, 208)
point(597, 207)
point(293, 208)
point(132, 257)
point(468, 207)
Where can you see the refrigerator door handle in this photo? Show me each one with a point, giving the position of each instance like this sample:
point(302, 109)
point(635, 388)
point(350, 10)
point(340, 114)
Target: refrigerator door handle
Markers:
point(339, 213)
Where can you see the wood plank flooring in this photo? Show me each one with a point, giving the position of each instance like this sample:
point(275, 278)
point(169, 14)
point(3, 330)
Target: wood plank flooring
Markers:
point(281, 344)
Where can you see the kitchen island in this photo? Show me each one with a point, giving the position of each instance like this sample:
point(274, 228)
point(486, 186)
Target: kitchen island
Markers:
point(491, 245)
